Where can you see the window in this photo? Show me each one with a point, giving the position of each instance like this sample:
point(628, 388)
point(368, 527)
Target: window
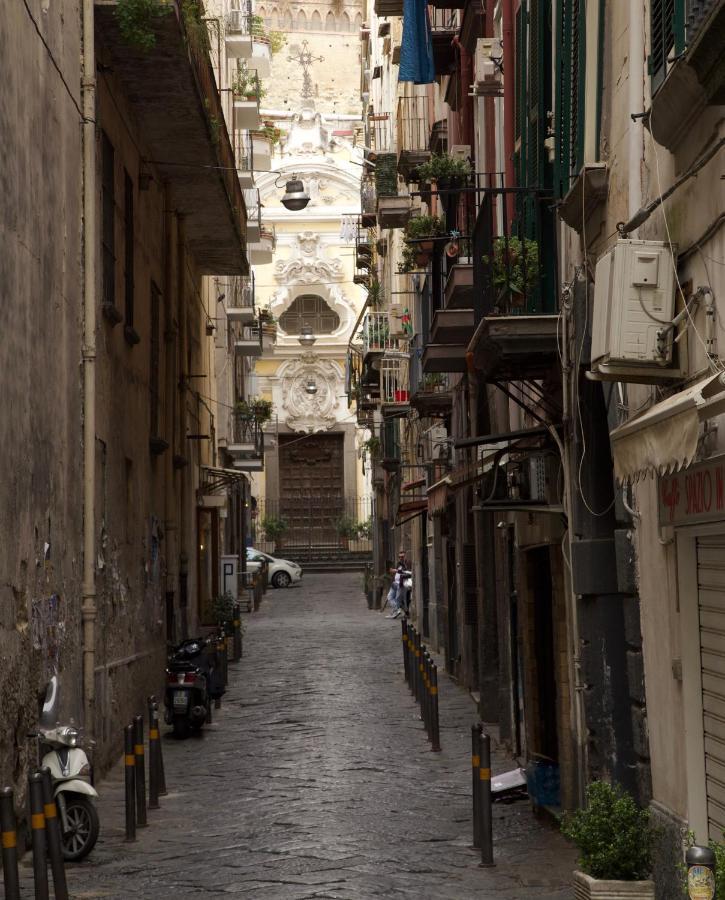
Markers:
point(108, 187)
point(154, 360)
point(309, 309)
point(330, 22)
point(570, 93)
point(316, 21)
point(667, 35)
point(301, 21)
point(131, 335)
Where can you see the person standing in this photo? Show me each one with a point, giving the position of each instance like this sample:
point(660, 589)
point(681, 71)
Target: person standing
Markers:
point(395, 594)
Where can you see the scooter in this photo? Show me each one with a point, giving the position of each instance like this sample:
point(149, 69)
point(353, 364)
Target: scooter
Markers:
point(72, 776)
point(192, 682)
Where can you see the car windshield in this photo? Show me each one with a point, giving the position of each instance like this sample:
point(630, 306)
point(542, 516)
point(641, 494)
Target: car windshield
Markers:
point(257, 554)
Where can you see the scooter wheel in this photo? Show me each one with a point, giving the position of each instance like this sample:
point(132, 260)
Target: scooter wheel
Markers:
point(83, 827)
point(181, 727)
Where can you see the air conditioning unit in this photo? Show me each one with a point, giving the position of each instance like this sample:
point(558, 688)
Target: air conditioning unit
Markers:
point(487, 68)
point(634, 304)
point(461, 151)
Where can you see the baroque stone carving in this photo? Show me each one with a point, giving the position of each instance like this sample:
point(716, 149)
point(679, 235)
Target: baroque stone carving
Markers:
point(306, 412)
point(306, 265)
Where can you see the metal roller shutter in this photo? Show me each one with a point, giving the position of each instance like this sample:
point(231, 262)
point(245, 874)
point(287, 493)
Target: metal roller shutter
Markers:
point(711, 604)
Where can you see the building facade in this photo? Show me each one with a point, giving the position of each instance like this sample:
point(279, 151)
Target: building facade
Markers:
point(552, 459)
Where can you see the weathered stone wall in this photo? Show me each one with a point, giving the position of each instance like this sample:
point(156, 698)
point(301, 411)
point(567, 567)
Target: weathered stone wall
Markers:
point(40, 377)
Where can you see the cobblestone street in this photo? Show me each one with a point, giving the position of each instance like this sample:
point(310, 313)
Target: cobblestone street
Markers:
point(315, 780)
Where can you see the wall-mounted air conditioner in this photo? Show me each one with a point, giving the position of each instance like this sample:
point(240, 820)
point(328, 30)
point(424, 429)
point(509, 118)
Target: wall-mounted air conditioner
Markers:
point(634, 305)
point(487, 66)
point(461, 151)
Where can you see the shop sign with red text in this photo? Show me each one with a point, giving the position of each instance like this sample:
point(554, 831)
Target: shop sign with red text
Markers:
point(696, 494)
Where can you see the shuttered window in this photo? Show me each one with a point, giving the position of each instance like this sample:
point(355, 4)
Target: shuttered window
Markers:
point(533, 90)
point(667, 37)
point(570, 93)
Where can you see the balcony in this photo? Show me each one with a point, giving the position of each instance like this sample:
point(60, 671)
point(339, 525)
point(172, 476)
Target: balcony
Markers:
point(246, 436)
point(240, 300)
point(254, 214)
point(430, 394)
point(245, 38)
point(412, 133)
point(444, 28)
point(262, 150)
point(175, 103)
point(246, 111)
point(248, 341)
point(389, 7)
point(376, 334)
point(394, 382)
point(690, 75)
point(261, 251)
point(516, 312)
point(243, 158)
point(368, 206)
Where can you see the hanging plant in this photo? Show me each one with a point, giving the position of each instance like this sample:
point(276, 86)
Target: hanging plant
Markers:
point(443, 165)
point(136, 20)
point(515, 270)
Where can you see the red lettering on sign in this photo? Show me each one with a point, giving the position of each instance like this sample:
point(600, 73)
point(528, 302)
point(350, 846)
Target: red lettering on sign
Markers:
point(671, 495)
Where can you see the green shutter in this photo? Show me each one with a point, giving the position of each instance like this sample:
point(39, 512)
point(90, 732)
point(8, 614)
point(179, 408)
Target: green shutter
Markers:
point(667, 33)
point(570, 93)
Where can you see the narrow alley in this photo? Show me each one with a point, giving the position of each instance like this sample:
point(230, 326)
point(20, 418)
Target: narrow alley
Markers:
point(311, 782)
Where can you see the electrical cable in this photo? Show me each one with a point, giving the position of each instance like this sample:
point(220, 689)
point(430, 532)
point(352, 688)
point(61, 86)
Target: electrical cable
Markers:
point(55, 64)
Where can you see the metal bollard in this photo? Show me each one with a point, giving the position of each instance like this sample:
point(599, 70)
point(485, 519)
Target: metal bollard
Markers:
point(237, 640)
point(140, 772)
point(162, 774)
point(435, 735)
point(153, 756)
point(476, 783)
point(9, 835)
point(37, 824)
point(486, 808)
point(701, 865)
point(53, 836)
point(416, 673)
point(404, 629)
point(225, 660)
point(419, 665)
point(409, 652)
point(425, 705)
point(129, 765)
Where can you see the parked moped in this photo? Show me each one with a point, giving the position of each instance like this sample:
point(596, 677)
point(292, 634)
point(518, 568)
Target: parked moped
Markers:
point(193, 680)
point(59, 748)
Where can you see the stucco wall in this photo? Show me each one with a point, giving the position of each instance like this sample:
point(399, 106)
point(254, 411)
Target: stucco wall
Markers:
point(40, 303)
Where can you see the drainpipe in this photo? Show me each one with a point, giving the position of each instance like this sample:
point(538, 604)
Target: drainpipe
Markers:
point(88, 603)
point(182, 446)
point(635, 76)
point(509, 102)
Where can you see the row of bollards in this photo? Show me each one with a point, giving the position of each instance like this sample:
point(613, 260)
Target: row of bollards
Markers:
point(46, 839)
point(421, 674)
point(134, 761)
point(481, 793)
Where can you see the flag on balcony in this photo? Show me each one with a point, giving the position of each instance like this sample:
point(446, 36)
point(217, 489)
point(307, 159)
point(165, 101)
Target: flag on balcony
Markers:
point(416, 49)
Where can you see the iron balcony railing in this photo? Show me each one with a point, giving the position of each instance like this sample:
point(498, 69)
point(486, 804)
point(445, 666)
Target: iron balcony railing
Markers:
point(443, 20)
point(412, 125)
point(368, 198)
point(247, 433)
point(380, 132)
point(243, 151)
point(395, 380)
point(243, 21)
point(377, 334)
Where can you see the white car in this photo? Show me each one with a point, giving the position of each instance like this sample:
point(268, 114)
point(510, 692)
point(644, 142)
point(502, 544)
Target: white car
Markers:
point(282, 572)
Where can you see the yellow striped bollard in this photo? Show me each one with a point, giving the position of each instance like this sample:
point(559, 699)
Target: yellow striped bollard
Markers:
point(129, 767)
point(37, 825)
point(9, 837)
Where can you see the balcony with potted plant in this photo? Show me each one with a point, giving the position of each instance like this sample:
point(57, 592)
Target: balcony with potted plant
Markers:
point(246, 38)
point(240, 300)
point(246, 445)
point(268, 324)
point(413, 135)
point(247, 92)
point(264, 140)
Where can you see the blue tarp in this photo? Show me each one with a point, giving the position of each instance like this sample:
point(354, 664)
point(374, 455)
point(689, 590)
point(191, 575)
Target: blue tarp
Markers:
point(416, 49)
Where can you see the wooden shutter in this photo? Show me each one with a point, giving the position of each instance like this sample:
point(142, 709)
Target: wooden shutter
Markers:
point(570, 93)
point(470, 593)
point(667, 33)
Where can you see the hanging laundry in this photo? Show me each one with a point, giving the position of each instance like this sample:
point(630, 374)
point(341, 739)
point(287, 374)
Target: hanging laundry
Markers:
point(416, 49)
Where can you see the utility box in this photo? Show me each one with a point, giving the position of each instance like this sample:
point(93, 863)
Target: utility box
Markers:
point(229, 575)
point(634, 304)
point(487, 69)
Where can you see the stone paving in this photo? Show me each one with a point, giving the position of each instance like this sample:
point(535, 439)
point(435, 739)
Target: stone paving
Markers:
point(316, 781)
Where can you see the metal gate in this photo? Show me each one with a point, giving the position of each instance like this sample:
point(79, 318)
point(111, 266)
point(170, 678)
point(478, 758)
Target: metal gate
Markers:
point(711, 608)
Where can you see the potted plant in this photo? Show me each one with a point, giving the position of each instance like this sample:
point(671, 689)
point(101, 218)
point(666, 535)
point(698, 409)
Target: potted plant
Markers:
point(247, 84)
point(374, 293)
point(347, 530)
point(275, 528)
point(514, 271)
point(420, 233)
point(373, 447)
point(448, 172)
point(432, 382)
point(614, 838)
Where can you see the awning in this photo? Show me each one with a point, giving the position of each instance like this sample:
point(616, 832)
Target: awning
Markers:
point(664, 438)
point(217, 479)
point(438, 496)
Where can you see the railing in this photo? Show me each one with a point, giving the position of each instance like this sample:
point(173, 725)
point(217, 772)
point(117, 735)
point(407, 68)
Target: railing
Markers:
point(513, 253)
point(242, 21)
point(247, 431)
point(376, 333)
point(254, 207)
point(394, 381)
point(240, 292)
point(443, 20)
point(368, 197)
point(380, 132)
point(696, 13)
point(412, 124)
point(313, 520)
point(243, 150)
